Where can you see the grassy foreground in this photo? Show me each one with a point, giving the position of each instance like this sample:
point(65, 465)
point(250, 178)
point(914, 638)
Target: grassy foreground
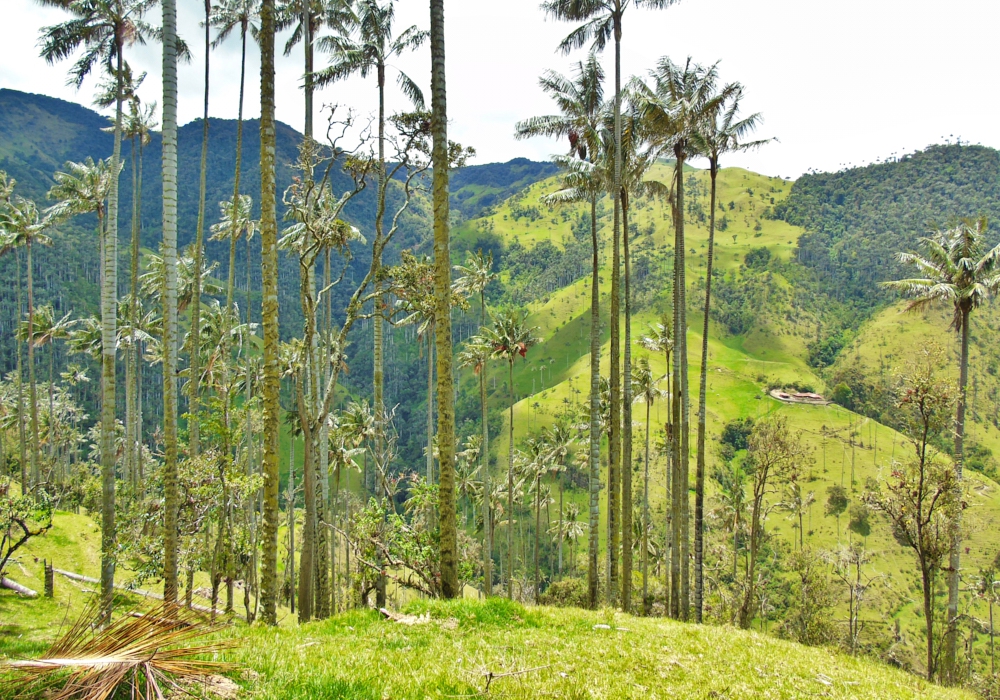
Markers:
point(549, 652)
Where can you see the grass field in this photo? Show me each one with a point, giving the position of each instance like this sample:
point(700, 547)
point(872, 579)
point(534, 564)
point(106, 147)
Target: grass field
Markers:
point(501, 649)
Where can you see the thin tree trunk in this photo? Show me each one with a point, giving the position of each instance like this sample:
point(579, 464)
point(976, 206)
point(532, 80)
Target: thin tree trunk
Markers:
point(595, 412)
point(510, 485)
point(645, 521)
point(627, 422)
point(194, 399)
point(32, 389)
point(487, 484)
point(109, 339)
point(22, 438)
point(680, 340)
point(928, 585)
point(442, 317)
point(269, 243)
point(430, 404)
point(170, 486)
point(699, 493)
point(950, 657)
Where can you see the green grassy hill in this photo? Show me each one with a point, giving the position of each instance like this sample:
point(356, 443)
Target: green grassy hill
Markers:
point(772, 349)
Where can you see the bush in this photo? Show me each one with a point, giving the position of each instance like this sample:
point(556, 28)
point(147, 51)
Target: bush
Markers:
point(568, 593)
point(736, 433)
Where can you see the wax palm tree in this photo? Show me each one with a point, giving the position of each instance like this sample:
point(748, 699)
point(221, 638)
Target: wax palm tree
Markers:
point(7, 185)
point(22, 226)
point(103, 30)
point(442, 294)
point(510, 336)
point(645, 390)
point(722, 132)
point(227, 15)
point(580, 100)
point(674, 110)
point(959, 272)
point(46, 331)
point(601, 23)
point(476, 276)
point(476, 354)
point(307, 17)
point(372, 53)
point(269, 242)
point(660, 339)
point(635, 162)
point(560, 439)
point(138, 127)
point(168, 248)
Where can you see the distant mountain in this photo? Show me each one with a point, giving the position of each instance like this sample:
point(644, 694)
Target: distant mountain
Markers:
point(38, 134)
point(857, 220)
point(478, 187)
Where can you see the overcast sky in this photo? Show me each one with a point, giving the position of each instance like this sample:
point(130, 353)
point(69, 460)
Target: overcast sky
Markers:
point(839, 83)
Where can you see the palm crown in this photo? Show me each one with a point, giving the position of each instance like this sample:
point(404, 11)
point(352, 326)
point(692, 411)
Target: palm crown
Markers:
point(957, 271)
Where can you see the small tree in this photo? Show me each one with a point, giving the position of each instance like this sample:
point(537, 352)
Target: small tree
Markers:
point(772, 454)
point(922, 496)
point(848, 566)
point(836, 504)
point(21, 518)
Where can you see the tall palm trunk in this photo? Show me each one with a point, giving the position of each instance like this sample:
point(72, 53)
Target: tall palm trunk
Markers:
point(170, 491)
point(627, 421)
point(430, 404)
point(269, 243)
point(109, 319)
point(22, 438)
point(194, 399)
point(950, 660)
point(699, 493)
point(32, 388)
point(645, 520)
point(510, 485)
point(130, 355)
point(538, 527)
point(442, 317)
point(614, 476)
point(487, 484)
point(595, 411)
point(681, 369)
point(675, 409)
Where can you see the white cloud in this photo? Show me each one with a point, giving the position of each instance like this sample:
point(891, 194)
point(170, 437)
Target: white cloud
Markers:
point(838, 83)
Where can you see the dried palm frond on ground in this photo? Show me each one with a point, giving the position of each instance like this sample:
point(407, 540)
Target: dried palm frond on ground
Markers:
point(148, 651)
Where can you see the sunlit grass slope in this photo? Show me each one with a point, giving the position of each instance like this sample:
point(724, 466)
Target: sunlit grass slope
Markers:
point(548, 652)
point(845, 449)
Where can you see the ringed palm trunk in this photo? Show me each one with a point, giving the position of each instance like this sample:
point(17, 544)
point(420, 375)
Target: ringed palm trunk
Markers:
point(109, 318)
point(595, 412)
point(510, 485)
point(614, 476)
point(950, 658)
point(32, 386)
point(681, 363)
point(487, 487)
point(430, 404)
point(130, 355)
point(676, 473)
point(627, 422)
point(699, 492)
point(194, 400)
point(22, 438)
point(442, 317)
point(378, 373)
point(170, 490)
point(645, 520)
point(269, 243)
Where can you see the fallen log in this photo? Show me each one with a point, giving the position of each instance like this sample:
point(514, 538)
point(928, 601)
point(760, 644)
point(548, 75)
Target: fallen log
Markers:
point(17, 587)
point(139, 592)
